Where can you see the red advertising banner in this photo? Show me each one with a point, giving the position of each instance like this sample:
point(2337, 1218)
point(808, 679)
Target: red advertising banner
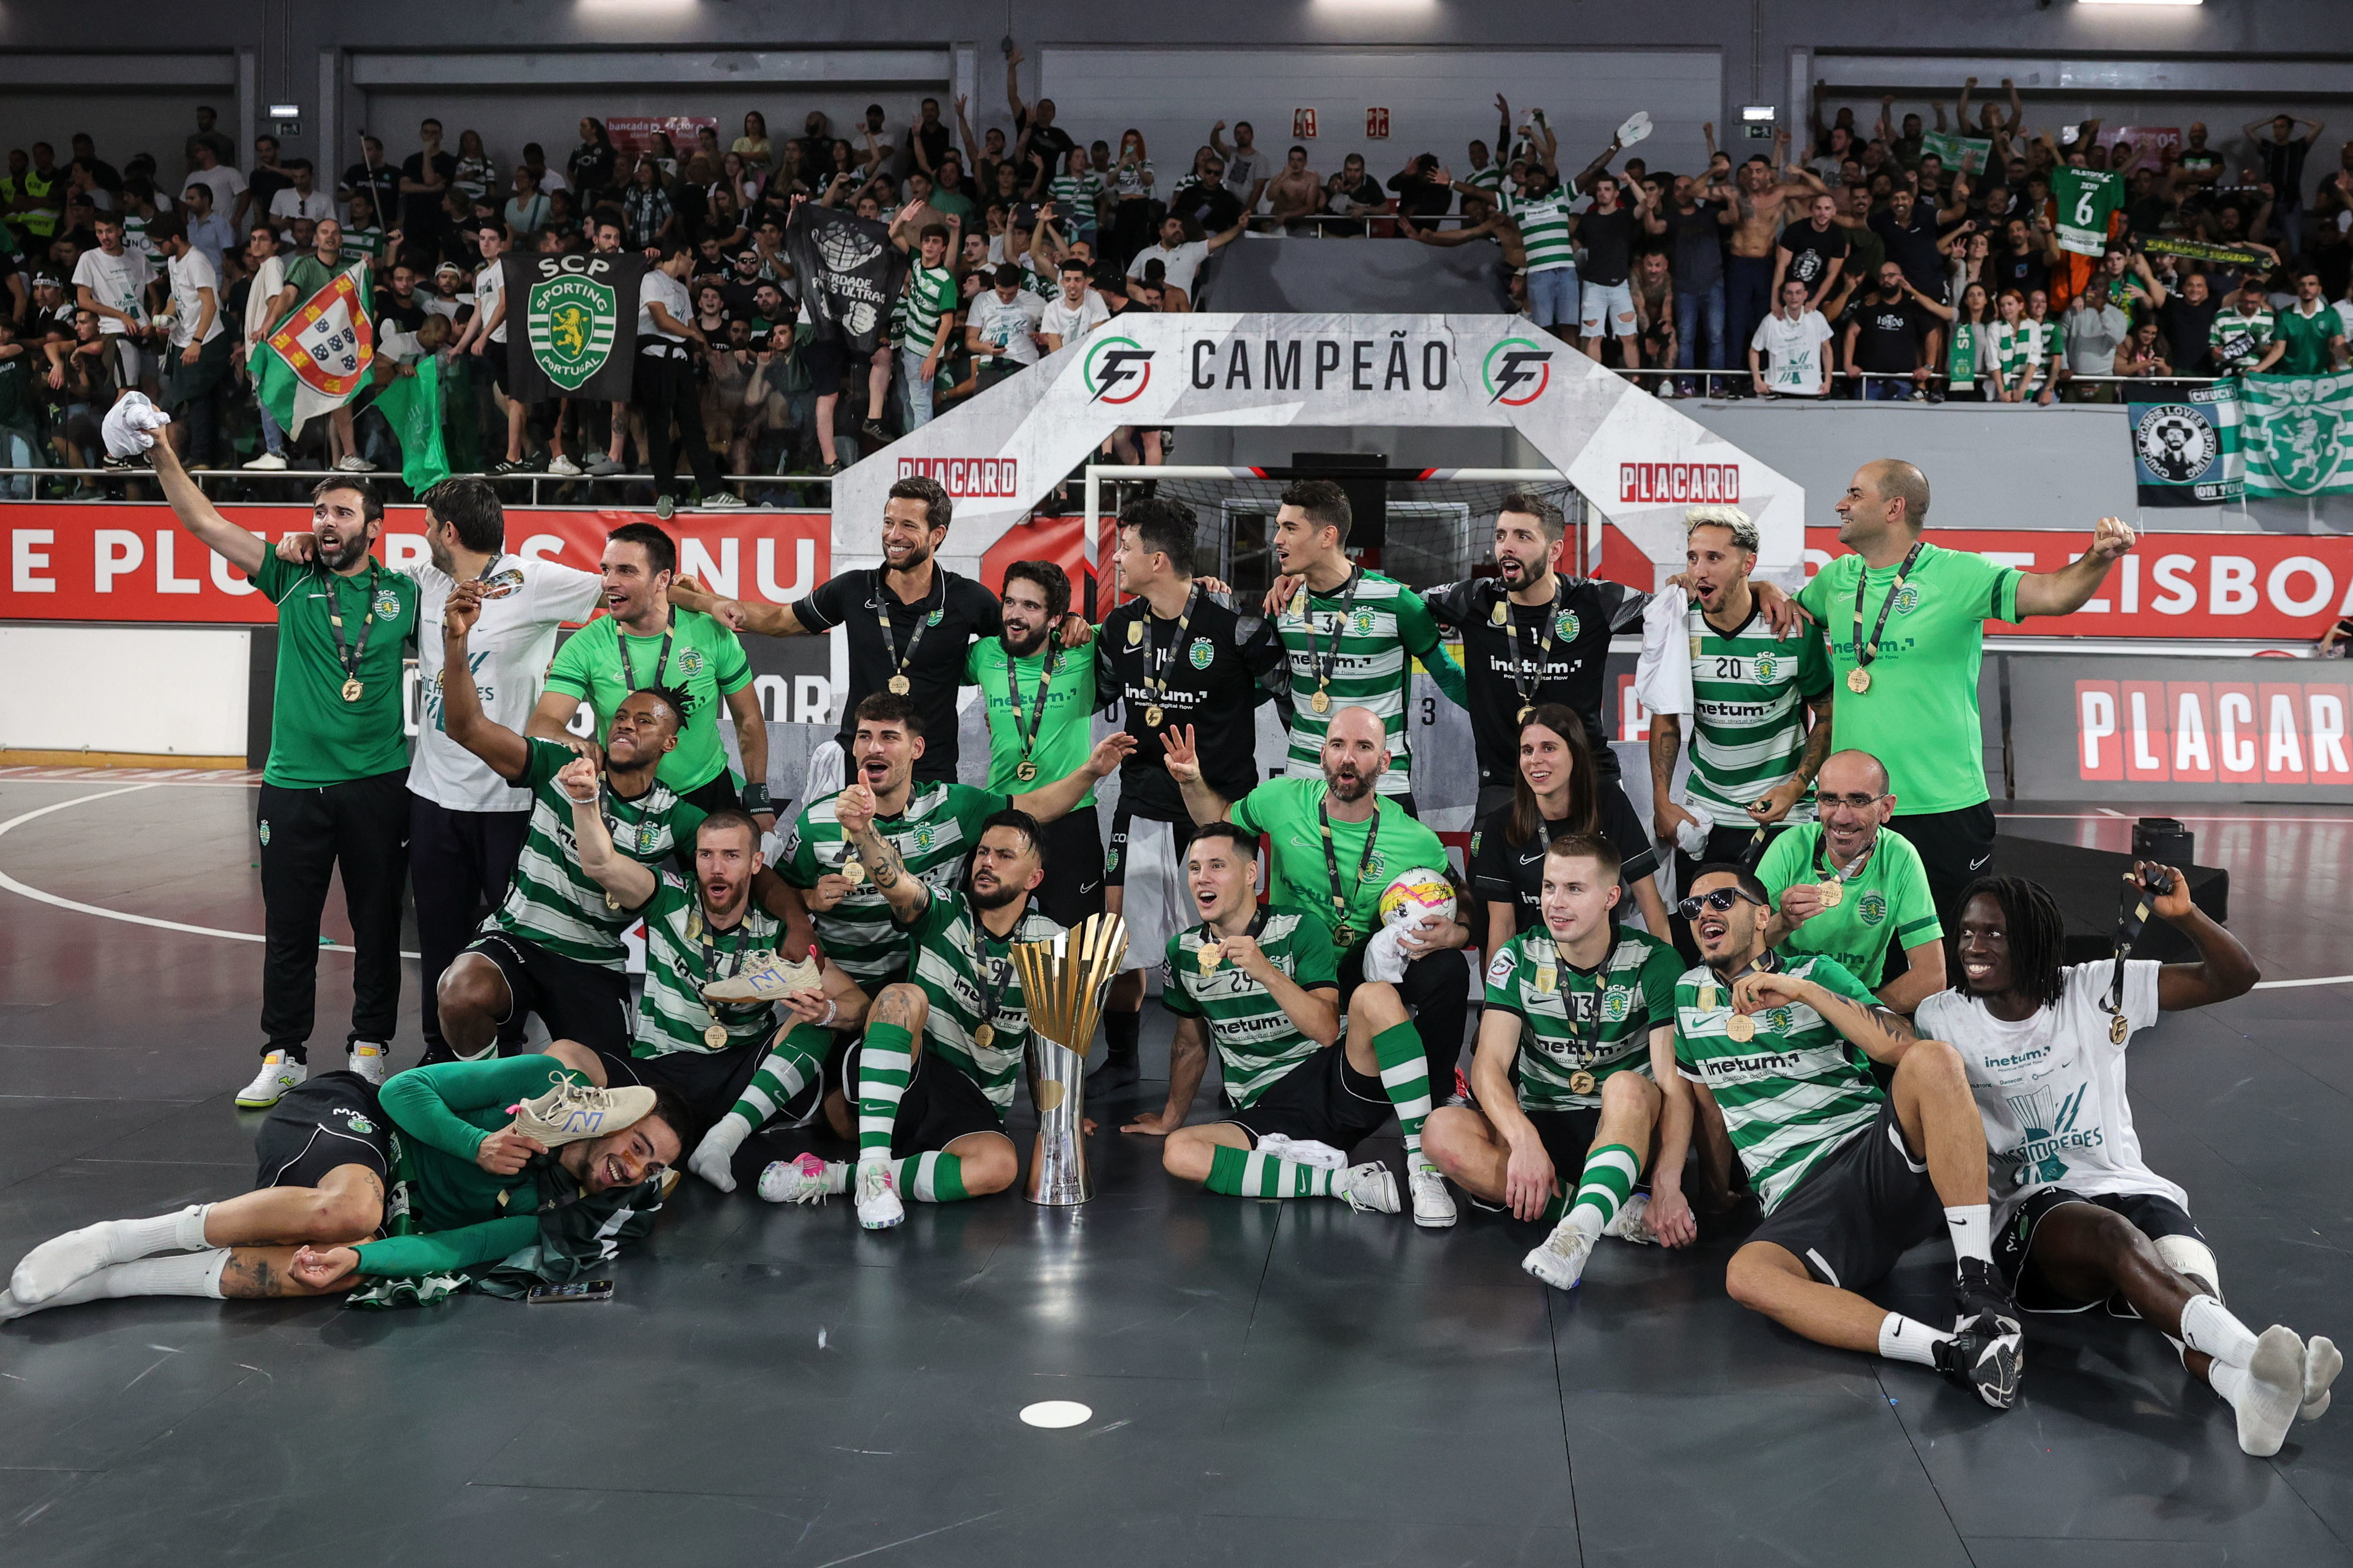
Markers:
point(634, 132)
point(131, 563)
point(2288, 587)
point(2244, 733)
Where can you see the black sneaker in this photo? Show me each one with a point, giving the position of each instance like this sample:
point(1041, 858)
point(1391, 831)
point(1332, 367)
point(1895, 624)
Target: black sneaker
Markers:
point(504, 467)
point(1988, 1349)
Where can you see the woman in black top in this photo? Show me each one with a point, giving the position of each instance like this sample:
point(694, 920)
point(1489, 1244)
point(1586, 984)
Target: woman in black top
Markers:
point(591, 167)
point(1558, 791)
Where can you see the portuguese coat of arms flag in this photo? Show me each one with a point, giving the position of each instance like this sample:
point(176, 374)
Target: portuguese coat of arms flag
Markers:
point(318, 359)
point(572, 325)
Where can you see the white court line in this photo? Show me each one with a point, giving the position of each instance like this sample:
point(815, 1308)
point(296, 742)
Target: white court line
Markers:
point(37, 895)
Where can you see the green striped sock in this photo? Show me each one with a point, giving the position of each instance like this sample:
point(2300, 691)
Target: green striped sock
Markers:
point(885, 1063)
point(1240, 1173)
point(791, 1065)
point(1405, 1073)
point(1609, 1173)
point(933, 1178)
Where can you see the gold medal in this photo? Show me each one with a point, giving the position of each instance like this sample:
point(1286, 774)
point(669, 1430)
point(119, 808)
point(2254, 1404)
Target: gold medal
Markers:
point(2119, 1030)
point(1321, 702)
point(1580, 1082)
point(1741, 1027)
point(1134, 632)
point(715, 1036)
point(351, 689)
point(1211, 955)
point(982, 1036)
point(1026, 771)
point(853, 872)
point(1858, 680)
point(1344, 934)
point(1547, 979)
point(901, 685)
point(1525, 712)
point(1832, 890)
point(1152, 717)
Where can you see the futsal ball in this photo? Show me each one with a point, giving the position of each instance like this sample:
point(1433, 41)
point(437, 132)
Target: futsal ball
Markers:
point(1415, 894)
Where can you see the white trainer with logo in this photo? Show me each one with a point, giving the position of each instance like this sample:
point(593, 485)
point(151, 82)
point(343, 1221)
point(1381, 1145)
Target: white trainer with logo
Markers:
point(878, 1208)
point(270, 1085)
point(372, 1060)
point(1367, 1186)
point(1433, 1206)
point(570, 1111)
point(1560, 1261)
point(767, 977)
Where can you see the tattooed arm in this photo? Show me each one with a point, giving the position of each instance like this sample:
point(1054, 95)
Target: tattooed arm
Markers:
point(905, 892)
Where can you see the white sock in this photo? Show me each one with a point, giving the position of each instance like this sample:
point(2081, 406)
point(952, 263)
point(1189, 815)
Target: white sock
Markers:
point(2230, 1382)
point(2208, 1326)
point(189, 1274)
point(182, 1230)
point(713, 1158)
point(1907, 1339)
point(1972, 1228)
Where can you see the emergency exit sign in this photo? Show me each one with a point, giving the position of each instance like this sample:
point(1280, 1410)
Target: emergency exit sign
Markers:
point(1377, 124)
point(1302, 124)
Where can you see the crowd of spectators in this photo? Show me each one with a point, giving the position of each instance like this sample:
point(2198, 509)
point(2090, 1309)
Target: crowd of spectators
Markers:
point(1859, 264)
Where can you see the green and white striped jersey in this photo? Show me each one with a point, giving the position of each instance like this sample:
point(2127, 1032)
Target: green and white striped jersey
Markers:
point(935, 836)
point(931, 295)
point(950, 944)
point(1257, 1042)
point(552, 901)
point(673, 1014)
point(1573, 1021)
point(1488, 176)
point(2239, 337)
point(1074, 199)
point(1793, 1092)
point(1380, 636)
point(2027, 349)
point(1544, 225)
point(1749, 693)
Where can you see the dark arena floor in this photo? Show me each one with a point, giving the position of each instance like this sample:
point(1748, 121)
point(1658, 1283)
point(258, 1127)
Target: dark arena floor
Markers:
point(1272, 1382)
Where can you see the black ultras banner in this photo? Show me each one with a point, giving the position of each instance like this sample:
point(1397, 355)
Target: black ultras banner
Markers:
point(572, 325)
point(848, 272)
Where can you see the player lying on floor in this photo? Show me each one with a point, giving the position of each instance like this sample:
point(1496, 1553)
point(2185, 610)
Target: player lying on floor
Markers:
point(466, 1162)
point(1261, 982)
point(1584, 1009)
point(2082, 1219)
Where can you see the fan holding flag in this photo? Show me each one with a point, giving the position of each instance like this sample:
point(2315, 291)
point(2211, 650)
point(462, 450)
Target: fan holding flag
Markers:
point(316, 356)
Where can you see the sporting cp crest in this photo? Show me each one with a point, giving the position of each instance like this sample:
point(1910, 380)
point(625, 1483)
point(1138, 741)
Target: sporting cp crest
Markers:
point(571, 320)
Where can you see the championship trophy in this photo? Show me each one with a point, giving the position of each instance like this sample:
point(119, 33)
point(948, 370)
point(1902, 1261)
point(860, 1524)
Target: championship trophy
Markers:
point(1064, 982)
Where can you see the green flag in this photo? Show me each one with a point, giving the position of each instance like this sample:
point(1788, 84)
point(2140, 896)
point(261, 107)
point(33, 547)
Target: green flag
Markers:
point(2086, 199)
point(412, 404)
point(2297, 431)
point(1967, 154)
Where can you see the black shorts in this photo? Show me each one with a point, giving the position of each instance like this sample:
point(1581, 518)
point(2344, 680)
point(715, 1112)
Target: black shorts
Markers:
point(941, 1105)
point(1567, 1137)
point(2013, 1250)
point(825, 359)
point(711, 1082)
point(1956, 848)
point(1321, 1100)
point(330, 1121)
point(716, 792)
point(495, 355)
point(1855, 1213)
point(1072, 849)
point(576, 1001)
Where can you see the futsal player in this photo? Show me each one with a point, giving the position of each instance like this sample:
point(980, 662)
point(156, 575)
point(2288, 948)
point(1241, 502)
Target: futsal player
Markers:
point(2082, 1220)
point(645, 642)
point(1574, 1077)
point(1845, 887)
point(1849, 1175)
point(1905, 620)
point(428, 1175)
point(1040, 701)
point(1173, 655)
point(334, 795)
point(1337, 845)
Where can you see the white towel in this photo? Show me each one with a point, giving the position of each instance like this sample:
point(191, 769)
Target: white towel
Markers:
point(1690, 835)
point(1385, 954)
point(1663, 676)
point(1301, 1152)
point(129, 427)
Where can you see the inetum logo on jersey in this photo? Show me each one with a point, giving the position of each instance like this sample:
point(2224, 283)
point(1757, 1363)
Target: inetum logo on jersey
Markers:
point(1517, 370)
point(1116, 370)
point(2221, 731)
point(966, 476)
point(1689, 483)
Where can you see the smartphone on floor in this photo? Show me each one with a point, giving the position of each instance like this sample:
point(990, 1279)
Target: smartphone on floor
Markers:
point(583, 1290)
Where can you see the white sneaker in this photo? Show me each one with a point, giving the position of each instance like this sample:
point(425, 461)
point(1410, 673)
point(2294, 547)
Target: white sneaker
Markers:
point(270, 1085)
point(355, 464)
point(1632, 1222)
point(371, 1061)
point(1367, 1186)
point(1433, 1206)
point(766, 977)
point(269, 462)
point(600, 464)
point(1560, 1261)
point(878, 1195)
point(723, 500)
point(570, 1111)
point(562, 468)
point(801, 1181)
point(2322, 1362)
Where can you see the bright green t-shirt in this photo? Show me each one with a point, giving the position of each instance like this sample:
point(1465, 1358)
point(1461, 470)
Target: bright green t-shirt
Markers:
point(1284, 810)
point(316, 737)
point(1920, 716)
point(1064, 735)
point(2307, 340)
point(705, 662)
point(1887, 901)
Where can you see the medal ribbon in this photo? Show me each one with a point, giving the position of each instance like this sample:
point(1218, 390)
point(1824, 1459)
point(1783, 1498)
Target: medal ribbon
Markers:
point(1332, 858)
point(2132, 914)
point(349, 658)
point(1527, 693)
point(1156, 664)
point(985, 975)
point(1321, 662)
point(881, 601)
point(662, 659)
point(1028, 732)
point(1852, 865)
point(1862, 655)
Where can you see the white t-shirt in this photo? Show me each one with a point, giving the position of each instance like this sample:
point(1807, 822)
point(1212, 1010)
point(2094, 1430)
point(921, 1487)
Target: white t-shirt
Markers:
point(227, 185)
point(1244, 170)
point(118, 282)
point(1008, 326)
point(489, 288)
point(1182, 262)
point(660, 287)
point(268, 282)
point(2052, 1088)
point(1070, 324)
point(511, 645)
point(1794, 364)
point(189, 273)
point(290, 203)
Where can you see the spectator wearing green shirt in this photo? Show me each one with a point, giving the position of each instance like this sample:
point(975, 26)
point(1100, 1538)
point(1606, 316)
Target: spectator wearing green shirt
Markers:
point(2309, 337)
point(1906, 621)
point(646, 641)
point(334, 792)
point(1040, 700)
point(2244, 330)
point(1880, 901)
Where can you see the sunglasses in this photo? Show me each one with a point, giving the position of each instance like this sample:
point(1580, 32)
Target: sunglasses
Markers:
point(1721, 902)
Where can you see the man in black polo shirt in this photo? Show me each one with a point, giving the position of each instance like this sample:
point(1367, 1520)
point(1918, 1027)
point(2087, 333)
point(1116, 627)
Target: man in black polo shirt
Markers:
point(2025, 265)
point(1175, 657)
point(1890, 333)
point(1907, 226)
